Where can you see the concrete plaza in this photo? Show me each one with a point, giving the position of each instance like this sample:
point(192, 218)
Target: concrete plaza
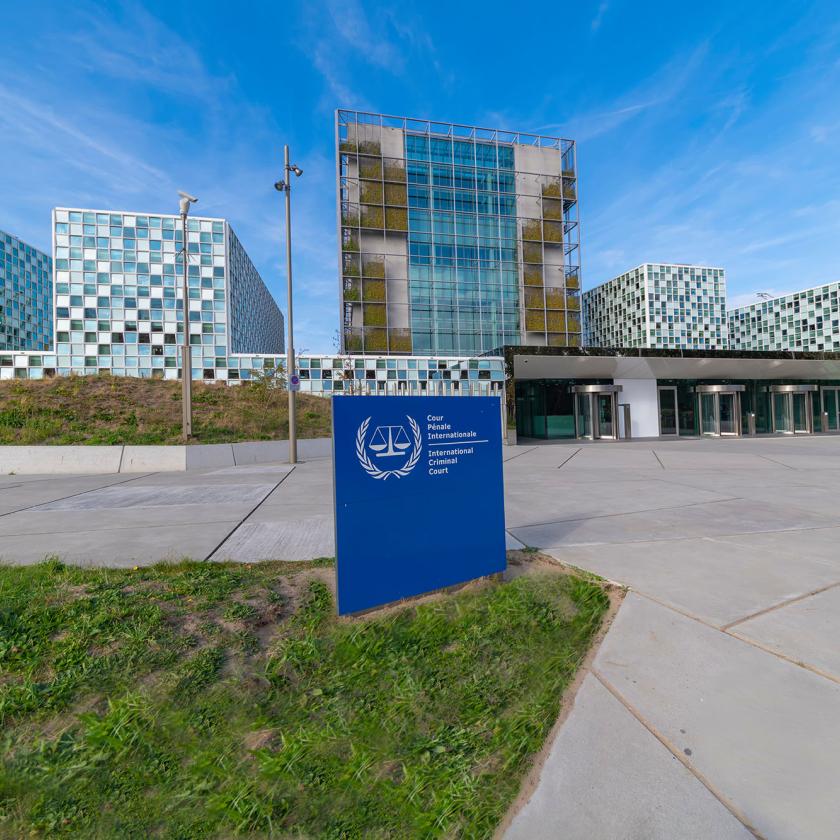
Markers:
point(712, 709)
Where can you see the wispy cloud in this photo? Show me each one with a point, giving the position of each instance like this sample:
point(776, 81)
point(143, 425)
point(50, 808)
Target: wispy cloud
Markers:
point(344, 40)
point(352, 25)
point(324, 61)
point(138, 48)
point(23, 114)
point(659, 89)
point(595, 25)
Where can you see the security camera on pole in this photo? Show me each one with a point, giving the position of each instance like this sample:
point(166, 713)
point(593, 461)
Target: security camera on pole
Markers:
point(186, 350)
point(284, 186)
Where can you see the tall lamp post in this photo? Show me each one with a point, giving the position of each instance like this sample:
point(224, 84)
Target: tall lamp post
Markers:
point(284, 186)
point(186, 350)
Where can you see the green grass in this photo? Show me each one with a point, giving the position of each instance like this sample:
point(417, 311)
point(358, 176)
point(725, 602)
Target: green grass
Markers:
point(198, 700)
point(108, 410)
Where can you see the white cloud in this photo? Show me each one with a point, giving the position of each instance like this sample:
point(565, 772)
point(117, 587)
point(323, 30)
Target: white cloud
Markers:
point(25, 114)
point(659, 89)
point(595, 25)
point(142, 50)
point(352, 25)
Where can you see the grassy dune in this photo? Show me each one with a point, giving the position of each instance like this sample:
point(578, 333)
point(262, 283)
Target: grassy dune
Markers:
point(126, 410)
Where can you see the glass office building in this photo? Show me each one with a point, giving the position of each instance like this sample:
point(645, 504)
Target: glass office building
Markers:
point(26, 296)
point(659, 305)
point(119, 310)
point(454, 239)
point(806, 320)
point(118, 296)
point(331, 374)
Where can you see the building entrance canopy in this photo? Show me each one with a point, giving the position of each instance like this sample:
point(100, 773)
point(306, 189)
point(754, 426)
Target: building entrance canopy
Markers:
point(672, 393)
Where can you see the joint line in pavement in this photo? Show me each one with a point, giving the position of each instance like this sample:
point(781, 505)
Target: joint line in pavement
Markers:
point(248, 515)
point(80, 493)
point(560, 466)
point(727, 627)
point(679, 755)
point(745, 639)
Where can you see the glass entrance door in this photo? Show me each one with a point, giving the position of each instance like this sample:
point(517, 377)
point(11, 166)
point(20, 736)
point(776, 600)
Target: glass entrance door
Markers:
point(595, 413)
point(800, 414)
point(727, 422)
point(830, 406)
point(720, 413)
point(606, 420)
point(792, 413)
point(668, 418)
point(584, 415)
point(708, 414)
point(782, 421)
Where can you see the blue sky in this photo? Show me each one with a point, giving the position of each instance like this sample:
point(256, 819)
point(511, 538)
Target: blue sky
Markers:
point(708, 133)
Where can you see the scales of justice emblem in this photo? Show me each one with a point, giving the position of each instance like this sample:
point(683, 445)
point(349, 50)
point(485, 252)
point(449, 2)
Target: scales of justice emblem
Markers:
point(389, 442)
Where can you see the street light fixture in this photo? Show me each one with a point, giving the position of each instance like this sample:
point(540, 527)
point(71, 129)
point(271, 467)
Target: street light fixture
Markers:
point(284, 186)
point(186, 351)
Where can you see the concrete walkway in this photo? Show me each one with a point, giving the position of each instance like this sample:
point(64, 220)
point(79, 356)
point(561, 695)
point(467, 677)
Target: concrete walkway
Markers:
point(713, 707)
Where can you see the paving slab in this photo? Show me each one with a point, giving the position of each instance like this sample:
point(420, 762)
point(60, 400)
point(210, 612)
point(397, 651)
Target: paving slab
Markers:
point(276, 470)
point(613, 458)
point(119, 547)
point(736, 516)
point(713, 579)
point(806, 631)
point(148, 496)
point(760, 729)
point(307, 491)
point(526, 504)
point(706, 460)
point(70, 521)
point(606, 776)
point(301, 539)
point(822, 543)
point(31, 493)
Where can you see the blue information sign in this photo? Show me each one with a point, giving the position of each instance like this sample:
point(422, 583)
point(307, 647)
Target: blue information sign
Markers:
point(419, 495)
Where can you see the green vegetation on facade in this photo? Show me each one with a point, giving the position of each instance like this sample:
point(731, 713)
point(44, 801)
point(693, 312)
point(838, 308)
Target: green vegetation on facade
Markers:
point(127, 410)
point(196, 700)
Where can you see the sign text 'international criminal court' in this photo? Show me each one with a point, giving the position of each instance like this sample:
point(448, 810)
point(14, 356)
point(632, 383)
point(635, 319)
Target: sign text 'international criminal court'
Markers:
point(419, 495)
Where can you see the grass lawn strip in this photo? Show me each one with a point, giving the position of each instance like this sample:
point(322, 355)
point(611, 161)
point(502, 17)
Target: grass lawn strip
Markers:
point(109, 410)
point(195, 700)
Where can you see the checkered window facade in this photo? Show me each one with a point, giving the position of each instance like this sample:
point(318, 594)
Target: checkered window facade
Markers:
point(26, 292)
point(808, 320)
point(659, 306)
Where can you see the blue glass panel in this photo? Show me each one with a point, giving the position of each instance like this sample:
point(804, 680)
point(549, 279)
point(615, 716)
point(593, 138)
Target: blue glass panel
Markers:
point(464, 151)
point(441, 150)
point(416, 147)
point(463, 277)
point(418, 173)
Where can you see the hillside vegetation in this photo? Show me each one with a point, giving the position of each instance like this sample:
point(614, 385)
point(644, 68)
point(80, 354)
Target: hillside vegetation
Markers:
point(126, 410)
point(205, 700)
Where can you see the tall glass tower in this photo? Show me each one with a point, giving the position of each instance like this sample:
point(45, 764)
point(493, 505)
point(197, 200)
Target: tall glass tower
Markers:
point(26, 291)
point(454, 240)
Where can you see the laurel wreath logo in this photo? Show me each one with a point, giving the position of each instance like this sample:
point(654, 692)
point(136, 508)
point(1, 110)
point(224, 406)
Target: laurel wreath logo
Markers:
point(374, 471)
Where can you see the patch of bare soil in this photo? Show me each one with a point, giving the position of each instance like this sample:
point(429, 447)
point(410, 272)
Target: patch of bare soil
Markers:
point(259, 739)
